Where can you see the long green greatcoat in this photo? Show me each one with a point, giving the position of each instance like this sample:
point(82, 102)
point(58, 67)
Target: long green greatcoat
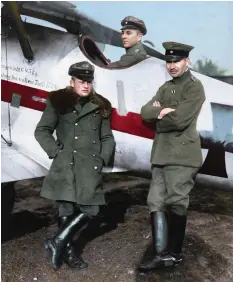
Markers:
point(83, 145)
point(176, 141)
point(133, 55)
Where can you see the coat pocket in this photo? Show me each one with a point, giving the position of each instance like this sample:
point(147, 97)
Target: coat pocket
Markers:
point(175, 103)
point(190, 137)
point(56, 150)
point(186, 138)
point(99, 163)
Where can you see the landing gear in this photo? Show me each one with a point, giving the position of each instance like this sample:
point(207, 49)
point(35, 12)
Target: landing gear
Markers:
point(7, 204)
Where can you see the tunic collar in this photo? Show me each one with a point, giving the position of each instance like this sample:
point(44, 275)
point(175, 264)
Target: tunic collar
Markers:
point(138, 46)
point(182, 78)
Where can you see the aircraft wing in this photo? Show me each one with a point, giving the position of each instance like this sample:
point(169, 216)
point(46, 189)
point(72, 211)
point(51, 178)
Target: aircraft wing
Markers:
point(18, 166)
point(67, 16)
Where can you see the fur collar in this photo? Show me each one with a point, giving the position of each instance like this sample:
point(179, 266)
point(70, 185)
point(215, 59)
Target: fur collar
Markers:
point(64, 100)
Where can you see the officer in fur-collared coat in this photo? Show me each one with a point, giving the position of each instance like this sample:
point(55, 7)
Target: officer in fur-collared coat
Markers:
point(84, 143)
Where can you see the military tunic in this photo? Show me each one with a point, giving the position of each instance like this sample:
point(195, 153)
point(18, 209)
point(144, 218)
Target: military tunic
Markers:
point(83, 145)
point(176, 152)
point(133, 55)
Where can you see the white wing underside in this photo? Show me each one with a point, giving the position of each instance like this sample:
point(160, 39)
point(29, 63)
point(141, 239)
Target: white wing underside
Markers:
point(17, 166)
point(25, 159)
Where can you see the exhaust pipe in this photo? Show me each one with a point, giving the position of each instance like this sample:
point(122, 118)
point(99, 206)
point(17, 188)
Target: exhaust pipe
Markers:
point(202, 180)
point(214, 182)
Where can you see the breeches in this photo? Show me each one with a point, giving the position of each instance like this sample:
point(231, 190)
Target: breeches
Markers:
point(170, 187)
point(68, 208)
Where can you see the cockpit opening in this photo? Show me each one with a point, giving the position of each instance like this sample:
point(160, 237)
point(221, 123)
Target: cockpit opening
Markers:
point(92, 51)
point(95, 55)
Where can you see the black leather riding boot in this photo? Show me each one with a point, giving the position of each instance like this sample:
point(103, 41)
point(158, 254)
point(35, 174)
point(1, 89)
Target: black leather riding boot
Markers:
point(63, 237)
point(68, 253)
point(178, 226)
point(159, 237)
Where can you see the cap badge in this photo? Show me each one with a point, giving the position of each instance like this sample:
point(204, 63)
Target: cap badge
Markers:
point(85, 66)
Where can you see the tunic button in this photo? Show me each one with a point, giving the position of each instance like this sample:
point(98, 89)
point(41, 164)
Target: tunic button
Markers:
point(71, 163)
point(76, 137)
point(94, 128)
point(94, 115)
point(75, 151)
point(76, 124)
point(95, 167)
point(74, 112)
point(93, 155)
point(94, 142)
point(183, 143)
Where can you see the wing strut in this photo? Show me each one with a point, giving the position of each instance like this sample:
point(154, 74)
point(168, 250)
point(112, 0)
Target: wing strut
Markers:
point(9, 143)
point(20, 30)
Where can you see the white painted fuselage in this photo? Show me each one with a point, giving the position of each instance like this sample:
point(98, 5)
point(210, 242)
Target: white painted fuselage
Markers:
point(127, 89)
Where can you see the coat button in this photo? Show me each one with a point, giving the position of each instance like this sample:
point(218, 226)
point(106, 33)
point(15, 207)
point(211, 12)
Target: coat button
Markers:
point(93, 155)
point(71, 163)
point(74, 112)
point(75, 151)
point(94, 115)
point(94, 142)
point(95, 167)
point(94, 128)
point(76, 137)
point(76, 124)
point(183, 143)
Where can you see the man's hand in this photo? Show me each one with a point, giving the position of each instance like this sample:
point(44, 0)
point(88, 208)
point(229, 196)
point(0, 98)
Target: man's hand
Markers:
point(166, 111)
point(156, 104)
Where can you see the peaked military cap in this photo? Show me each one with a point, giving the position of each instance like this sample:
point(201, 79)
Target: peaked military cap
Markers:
point(176, 51)
point(131, 22)
point(82, 70)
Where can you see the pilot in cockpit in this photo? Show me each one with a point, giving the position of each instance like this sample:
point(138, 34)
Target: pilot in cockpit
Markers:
point(133, 30)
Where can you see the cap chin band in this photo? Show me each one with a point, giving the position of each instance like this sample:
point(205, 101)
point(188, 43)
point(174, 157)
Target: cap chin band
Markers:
point(84, 77)
point(129, 27)
point(181, 53)
point(174, 58)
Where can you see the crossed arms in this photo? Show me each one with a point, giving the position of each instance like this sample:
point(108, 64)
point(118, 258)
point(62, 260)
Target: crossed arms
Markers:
point(168, 119)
